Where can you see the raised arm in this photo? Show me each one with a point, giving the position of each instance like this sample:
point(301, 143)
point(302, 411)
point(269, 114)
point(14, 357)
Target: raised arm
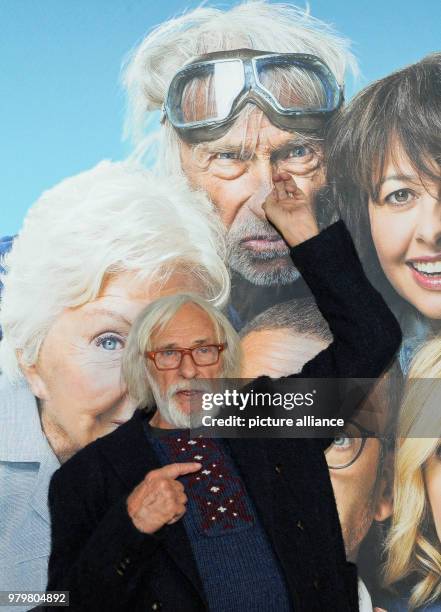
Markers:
point(366, 333)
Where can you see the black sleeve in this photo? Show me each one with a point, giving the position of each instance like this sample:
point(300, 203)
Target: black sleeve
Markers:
point(96, 554)
point(366, 333)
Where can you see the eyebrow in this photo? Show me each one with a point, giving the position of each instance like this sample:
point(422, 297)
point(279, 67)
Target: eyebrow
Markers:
point(224, 148)
point(411, 178)
point(173, 345)
point(241, 148)
point(112, 314)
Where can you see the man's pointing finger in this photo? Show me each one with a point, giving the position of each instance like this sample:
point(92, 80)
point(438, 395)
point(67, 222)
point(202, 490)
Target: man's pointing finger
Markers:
point(174, 470)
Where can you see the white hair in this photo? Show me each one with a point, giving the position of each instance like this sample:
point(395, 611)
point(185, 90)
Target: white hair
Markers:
point(153, 318)
point(256, 24)
point(113, 218)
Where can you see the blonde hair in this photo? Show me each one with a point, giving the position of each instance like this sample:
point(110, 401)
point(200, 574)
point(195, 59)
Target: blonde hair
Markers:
point(412, 545)
point(154, 318)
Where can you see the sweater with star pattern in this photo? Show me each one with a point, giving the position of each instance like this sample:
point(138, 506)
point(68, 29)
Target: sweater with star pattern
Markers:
point(235, 560)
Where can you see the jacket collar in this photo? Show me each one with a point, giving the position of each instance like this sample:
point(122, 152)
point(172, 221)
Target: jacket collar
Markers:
point(21, 436)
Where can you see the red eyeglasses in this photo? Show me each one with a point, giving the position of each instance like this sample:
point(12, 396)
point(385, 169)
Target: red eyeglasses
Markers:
point(171, 359)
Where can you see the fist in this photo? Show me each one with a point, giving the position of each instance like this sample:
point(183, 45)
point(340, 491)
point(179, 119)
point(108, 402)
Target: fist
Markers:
point(159, 499)
point(290, 211)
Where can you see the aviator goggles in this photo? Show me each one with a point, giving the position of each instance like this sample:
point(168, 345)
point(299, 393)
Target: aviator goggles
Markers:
point(294, 90)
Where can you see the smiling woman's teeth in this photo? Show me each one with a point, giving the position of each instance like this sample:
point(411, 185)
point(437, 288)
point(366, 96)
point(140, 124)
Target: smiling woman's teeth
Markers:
point(427, 267)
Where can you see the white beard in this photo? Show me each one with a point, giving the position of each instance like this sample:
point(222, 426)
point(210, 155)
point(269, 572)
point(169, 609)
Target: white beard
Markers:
point(169, 408)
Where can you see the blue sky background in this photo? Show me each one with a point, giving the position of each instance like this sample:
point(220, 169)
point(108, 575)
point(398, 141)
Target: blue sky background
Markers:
point(61, 104)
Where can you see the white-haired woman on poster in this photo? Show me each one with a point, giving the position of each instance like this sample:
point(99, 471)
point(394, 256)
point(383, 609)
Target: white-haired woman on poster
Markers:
point(413, 564)
point(93, 251)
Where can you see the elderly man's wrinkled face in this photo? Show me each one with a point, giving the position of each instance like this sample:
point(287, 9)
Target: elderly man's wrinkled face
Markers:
point(177, 391)
point(236, 172)
point(78, 373)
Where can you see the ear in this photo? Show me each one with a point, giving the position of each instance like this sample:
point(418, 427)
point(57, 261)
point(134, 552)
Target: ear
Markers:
point(36, 383)
point(384, 505)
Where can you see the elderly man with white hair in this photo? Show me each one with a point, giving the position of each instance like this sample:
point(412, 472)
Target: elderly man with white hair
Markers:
point(165, 521)
point(92, 253)
point(244, 106)
point(246, 94)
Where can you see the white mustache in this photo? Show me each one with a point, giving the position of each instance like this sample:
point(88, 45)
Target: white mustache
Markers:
point(190, 385)
point(250, 228)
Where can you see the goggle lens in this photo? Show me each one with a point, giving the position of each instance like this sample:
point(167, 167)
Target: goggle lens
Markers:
point(208, 92)
point(297, 86)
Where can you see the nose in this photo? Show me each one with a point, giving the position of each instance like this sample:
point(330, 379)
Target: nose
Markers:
point(429, 223)
point(188, 369)
point(261, 184)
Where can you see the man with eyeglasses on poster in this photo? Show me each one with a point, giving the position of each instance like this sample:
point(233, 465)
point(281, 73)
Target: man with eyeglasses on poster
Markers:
point(360, 461)
point(151, 518)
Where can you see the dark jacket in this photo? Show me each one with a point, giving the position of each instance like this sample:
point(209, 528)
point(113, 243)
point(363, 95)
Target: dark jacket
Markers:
point(107, 564)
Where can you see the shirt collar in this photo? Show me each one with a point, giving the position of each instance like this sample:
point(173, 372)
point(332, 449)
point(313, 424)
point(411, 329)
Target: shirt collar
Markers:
point(21, 436)
point(22, 439)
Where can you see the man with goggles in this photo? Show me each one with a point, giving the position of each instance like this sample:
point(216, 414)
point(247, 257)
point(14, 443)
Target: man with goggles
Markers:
point(240, 119)
point(248, 121)
point(225, 81)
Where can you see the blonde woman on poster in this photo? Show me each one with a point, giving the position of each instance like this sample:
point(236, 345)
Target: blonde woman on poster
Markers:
point(413, 564)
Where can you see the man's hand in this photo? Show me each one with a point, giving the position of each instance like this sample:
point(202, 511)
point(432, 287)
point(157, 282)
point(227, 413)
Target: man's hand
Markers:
point(290, 211)
point(160, 499)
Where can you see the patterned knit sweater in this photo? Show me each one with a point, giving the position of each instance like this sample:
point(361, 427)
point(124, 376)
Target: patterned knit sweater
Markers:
point(237, 565)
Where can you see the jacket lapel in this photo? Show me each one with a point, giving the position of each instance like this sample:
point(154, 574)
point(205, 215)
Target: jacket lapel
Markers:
point(132, 457)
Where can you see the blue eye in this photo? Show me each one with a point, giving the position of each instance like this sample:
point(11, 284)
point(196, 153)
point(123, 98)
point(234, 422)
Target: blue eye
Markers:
point(228, 156)
point(342, 441)
point(203, 350)
point(299, 151)
point(110, 342)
